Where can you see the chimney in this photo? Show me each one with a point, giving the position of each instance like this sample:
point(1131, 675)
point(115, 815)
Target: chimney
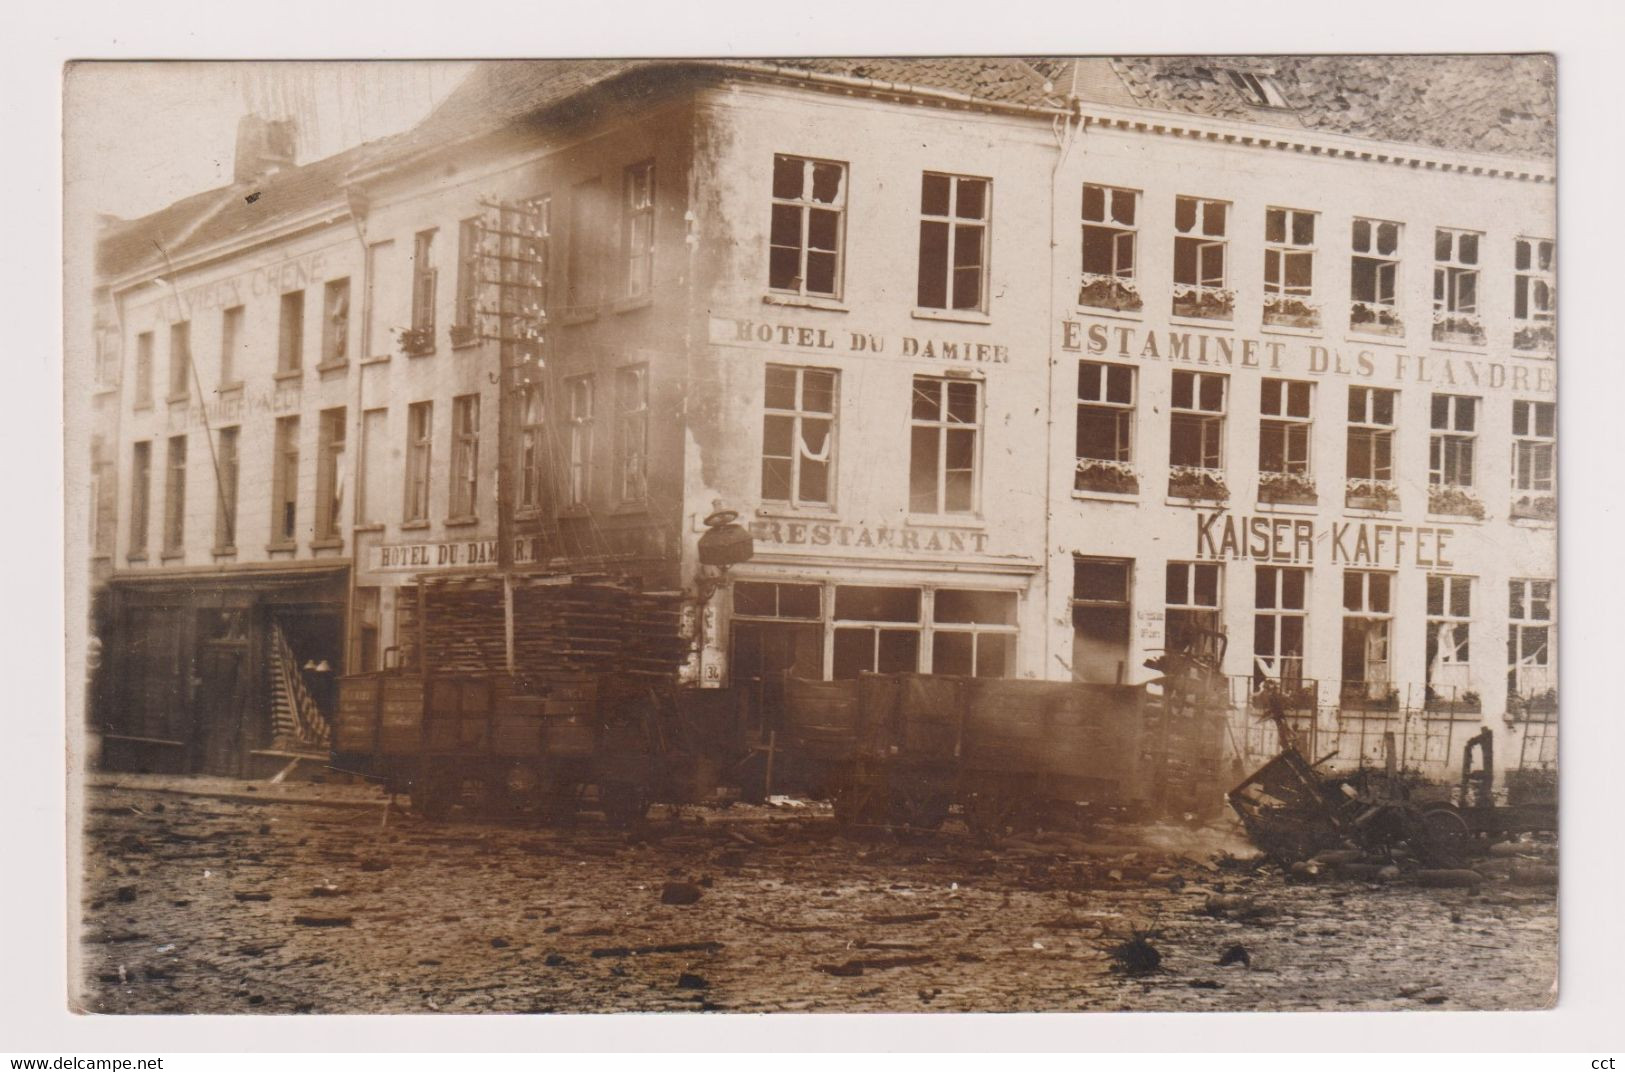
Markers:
point(264, 147)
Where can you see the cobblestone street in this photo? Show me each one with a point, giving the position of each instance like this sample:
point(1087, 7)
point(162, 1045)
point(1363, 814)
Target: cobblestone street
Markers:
point(232, 898)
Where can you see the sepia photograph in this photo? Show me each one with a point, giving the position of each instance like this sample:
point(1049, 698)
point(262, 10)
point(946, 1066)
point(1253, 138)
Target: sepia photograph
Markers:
point(786, 534)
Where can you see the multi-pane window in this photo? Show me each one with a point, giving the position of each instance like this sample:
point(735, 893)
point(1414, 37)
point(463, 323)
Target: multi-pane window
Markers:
point(953, 242)
point(579, 390)
point(1110, 236)
point(143, 369)
point(1455, 286)
point(1534, 295)
point(1191, 602)
point(1374, 278)
point(1196, 425)
point(1450, 450)
point(798, 435)
point(804, 245)
point(225, 508)
point(285, 483)
point(973, 633)
point(140, 497)
point(876, 630)
point(1289, 268)
point(1199, 259)
point(424, 279)
point(1534, 431)
point(465, 456)
point(1279, 617)
point(945, 420)
point(638, 228)
point(531, 446)
point(419, 453)
point(1284, 426)
point(231, 344)
point(465, 315)
point(588, 233)
point(632, 433)
point(1105, 433)
point(1450, 624)
point(180, 360)
point(1367, 634)
point(1529, 638)
point(330, 434)
point(336, 322)
point(175, 497)
point(1102, 621)
point(1371, 434)
point(290, 351)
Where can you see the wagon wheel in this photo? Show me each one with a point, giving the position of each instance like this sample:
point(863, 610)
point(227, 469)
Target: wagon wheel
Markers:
point(857, 803)
point(433, 791)
point(993, 814)
point(918, 804)
point(624, 803)
point(1441, 837)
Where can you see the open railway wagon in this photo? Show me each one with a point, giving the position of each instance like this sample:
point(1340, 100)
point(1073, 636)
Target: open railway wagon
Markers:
point(902, 749)
point(590, 709)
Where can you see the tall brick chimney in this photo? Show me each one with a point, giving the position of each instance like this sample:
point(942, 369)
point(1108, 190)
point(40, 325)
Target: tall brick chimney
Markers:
point(264, 146)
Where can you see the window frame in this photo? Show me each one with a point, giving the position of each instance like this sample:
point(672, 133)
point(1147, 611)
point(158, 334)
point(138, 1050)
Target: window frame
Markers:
point(425, 283)
point(463, 476)
point(954, 224)
point(532, 445)
point(232, 322)
point(876, 628)
point(1534, 327)
point(637, 254)
point(944, 426)
point(582, 402)
point(229, 451)
point(290, 353)
point(144, 344)
point(1201, 241)
point(632, 434)
point(1383, 315)
point(180, 361)
point(1204, 419)
point(331, 435)
point(805, 204)
point(465, 311)
point(415, 502)
point(1532, 445)
point(1374, 430)
point(1009, 631)
point(1279, 612)
point(1447, 617)
point(1449, 443)
point(1190, 607)
point(797, 417)
point(285, 484)
point(174, 542)
point(1289, 425)
point(336, 322)
point(1523, 623)
point(140, 498)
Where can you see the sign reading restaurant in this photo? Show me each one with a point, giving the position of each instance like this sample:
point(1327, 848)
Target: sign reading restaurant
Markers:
point(1292, 540)
point(872, 537)
point(1115, 339)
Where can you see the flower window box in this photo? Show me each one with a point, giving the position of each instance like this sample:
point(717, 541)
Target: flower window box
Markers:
point(1204, 303)
point(1113, 477)
point(1110, 292)
point(1283, 310)
point(464, 335)
point(1371, 495)
point(1446, 499)
point(1534, 338)
point(1189, 482)
point(1464, 328)
point(1535, 507)
point(417, 341)
point(1287, 488)
point(1372, 319)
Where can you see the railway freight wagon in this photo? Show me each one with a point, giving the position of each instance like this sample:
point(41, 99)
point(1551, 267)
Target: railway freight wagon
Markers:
point(902, 749)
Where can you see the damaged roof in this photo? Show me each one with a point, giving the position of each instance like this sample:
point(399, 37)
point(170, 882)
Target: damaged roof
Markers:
point(1504, 104)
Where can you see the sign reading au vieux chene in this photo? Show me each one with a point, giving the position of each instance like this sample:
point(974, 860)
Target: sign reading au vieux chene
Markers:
point(1292, 540)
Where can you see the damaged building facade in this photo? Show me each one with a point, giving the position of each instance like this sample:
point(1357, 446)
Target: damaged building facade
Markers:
point(984, 354)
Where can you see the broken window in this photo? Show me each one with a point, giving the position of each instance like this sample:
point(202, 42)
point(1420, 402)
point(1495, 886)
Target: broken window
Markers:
point(954, 214)
point(336, 322)
point(330, 473)
point(465, 457)
point(1374, 278)
point(225, 516)
point(876, 630)
point(140, 497)
point(1284, 430)
point(632, 432)
point(1258, 89)
point(638, 228)
point(583, 407)
point(143, 369)
point(1455, 287)
point(285, 484)
point(776, 632)
point(1105, 435)
point(768, 599)
point(1280, 602)
point(798, 435)
point(1100, 619)
point(1371, 434)
point(1289, 268)
point(1191, 602)
point(466, 314)
point(1534, 295)
point(1110, 235)
point(1196, 426)
point(180, 360)
point(424, 276)
point(945, 419)
point(419, 451)
point(1534, 430)
point(1530, 673)
point(973, 633)
point(175, 497)
point(1450, 451)
point(1199, 259)
point(804, 245)
point(1449, 635)
point(531, 444)
point(1367, 630)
